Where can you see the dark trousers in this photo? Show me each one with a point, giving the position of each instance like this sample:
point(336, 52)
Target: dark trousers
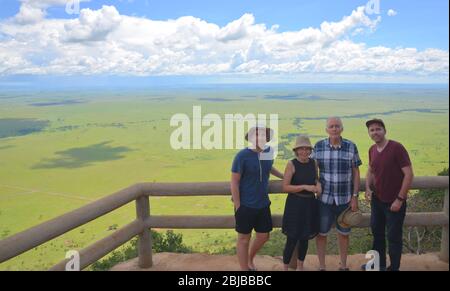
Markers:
point(290, 247)
point(383, 221)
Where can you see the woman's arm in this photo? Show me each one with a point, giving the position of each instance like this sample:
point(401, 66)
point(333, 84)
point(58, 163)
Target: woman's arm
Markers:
point(276, 173)
point(288, 173)
point(318, 185)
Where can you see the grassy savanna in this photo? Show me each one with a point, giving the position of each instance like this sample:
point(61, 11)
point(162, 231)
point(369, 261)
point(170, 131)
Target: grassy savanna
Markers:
point(61, 150)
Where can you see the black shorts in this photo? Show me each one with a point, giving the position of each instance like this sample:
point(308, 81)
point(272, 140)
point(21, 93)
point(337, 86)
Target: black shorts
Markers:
point(248, 219)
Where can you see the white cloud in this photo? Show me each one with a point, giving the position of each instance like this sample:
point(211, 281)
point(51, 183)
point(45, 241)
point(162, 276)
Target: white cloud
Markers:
point(93, 25)
point(32, 11)
point(29, 14)
point(104, 42)
point(391, 12)
point(237, 29)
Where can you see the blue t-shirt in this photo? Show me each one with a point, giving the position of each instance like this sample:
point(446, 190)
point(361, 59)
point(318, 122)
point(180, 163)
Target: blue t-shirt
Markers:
point(254, 183)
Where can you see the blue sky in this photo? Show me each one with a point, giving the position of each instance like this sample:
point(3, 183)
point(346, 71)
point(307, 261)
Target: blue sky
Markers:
point(420, 25)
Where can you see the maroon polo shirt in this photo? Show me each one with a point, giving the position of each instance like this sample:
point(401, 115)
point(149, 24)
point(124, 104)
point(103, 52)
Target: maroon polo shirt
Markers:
point(387, 170)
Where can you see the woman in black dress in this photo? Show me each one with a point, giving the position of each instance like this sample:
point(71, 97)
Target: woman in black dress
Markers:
point(301, 218)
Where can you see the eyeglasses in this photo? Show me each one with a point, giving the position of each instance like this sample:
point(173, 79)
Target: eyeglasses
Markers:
point(304, 149)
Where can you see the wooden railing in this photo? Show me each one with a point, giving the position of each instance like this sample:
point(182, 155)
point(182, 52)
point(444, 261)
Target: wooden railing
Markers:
point(21, 242)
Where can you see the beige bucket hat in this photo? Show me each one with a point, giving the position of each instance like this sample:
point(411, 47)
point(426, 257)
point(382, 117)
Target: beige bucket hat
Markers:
point(349, 218)
point(302, 141)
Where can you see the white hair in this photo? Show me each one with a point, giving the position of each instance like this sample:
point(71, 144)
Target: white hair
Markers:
point(335, 118)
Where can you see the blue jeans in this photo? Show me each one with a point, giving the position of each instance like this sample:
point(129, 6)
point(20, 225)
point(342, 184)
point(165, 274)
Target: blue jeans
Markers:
point(382, 220)
point(328, 215)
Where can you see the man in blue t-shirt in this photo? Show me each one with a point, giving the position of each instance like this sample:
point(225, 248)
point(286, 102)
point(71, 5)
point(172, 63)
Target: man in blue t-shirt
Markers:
point(250, 194)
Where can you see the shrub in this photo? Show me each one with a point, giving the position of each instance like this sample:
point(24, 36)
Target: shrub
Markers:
point(168, 242)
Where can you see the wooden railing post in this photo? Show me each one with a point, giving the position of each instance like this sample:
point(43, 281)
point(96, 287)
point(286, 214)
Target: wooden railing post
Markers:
point(444, 240)
point(145, 238)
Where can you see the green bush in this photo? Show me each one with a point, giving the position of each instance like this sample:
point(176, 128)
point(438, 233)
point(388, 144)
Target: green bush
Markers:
point(422, 239)
point(168, 242)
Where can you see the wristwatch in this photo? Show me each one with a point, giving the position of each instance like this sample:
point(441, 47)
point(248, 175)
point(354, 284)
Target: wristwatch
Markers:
point(401, 198)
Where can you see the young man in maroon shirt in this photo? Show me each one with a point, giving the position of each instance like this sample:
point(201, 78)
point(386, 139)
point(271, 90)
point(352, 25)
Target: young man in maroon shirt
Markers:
point(388, 181)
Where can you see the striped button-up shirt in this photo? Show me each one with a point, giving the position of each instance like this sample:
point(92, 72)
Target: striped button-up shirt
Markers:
point(336, 170)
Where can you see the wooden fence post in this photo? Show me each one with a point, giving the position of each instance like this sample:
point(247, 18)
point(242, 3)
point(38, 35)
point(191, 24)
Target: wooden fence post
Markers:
point(444, 240)
point(145, 238)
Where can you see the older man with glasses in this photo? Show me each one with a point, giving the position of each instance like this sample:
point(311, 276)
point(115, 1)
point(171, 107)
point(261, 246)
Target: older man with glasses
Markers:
point(338, 161)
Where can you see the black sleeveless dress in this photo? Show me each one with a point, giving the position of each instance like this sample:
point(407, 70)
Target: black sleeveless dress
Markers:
point(301, 213)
